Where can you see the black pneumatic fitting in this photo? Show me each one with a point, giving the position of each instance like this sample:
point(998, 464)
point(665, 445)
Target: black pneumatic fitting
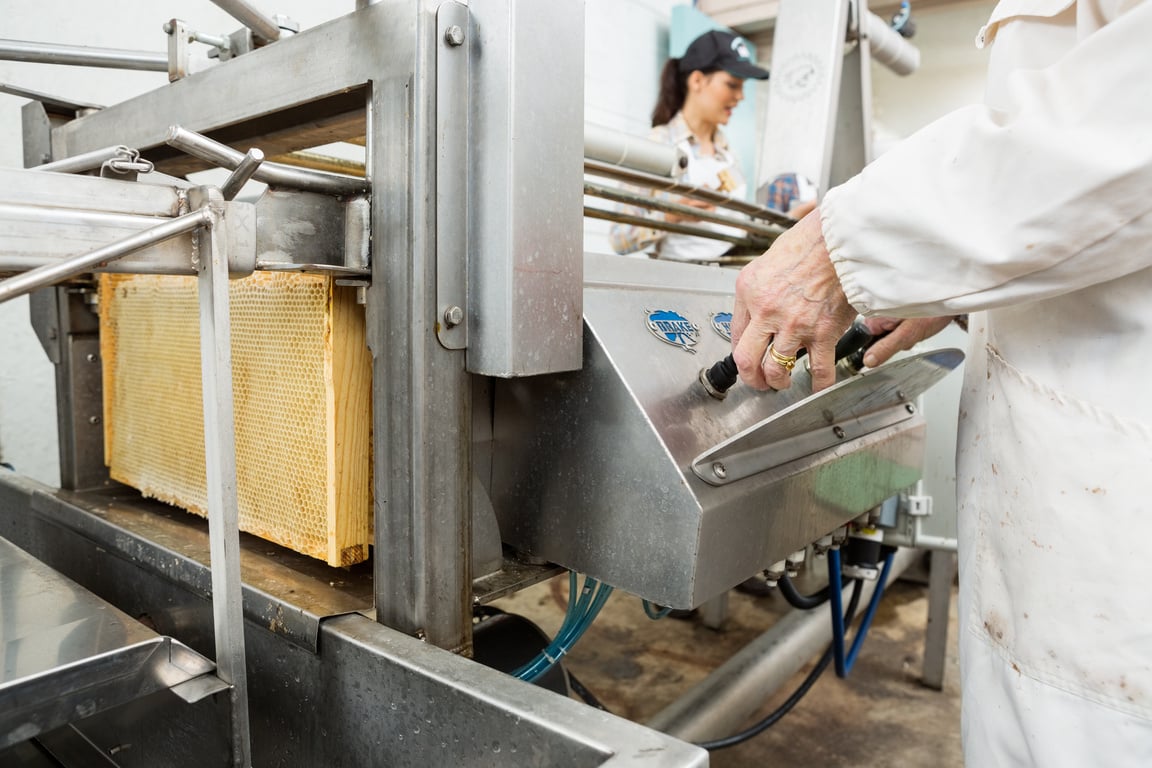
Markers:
point(720, 378)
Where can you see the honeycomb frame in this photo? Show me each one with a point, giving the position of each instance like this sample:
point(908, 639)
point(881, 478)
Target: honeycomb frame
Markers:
point(301, 376)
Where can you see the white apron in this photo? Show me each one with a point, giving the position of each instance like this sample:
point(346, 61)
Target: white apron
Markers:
point(704, 171)
point(1038, 209)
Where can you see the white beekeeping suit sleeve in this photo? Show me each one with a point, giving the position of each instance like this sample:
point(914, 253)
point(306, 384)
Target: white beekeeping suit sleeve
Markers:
point(986, 207)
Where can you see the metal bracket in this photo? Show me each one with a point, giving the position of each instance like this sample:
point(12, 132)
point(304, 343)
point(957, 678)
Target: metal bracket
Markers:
point(452, 94)
point(871, 401)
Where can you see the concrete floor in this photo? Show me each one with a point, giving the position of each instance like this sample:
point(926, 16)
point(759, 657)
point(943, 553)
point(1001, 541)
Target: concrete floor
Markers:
point(880, 716)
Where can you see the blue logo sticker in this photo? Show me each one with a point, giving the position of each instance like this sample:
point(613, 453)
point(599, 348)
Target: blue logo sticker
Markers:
point(673, 328)
point(722, 324)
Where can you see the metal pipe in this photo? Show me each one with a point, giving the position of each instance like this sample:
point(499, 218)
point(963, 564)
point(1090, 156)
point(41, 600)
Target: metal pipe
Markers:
point(682, 229)
point(83, 162)
point(50, 274)
point(277, 175)
point(239, 177)
point(632, 152)
point(662, 184)
point(263, 27)
point(889, 47)
point(318, 162)
point(723, 701)
point(645, 201)
point(82, 56)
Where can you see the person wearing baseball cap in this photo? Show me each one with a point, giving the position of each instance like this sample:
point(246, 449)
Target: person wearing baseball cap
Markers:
point(698, 93)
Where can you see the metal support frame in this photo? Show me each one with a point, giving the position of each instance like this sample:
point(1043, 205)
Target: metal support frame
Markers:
point(68, 330)
point(220, 467)
point(941, 572)
point(421, 401)
point(421, 395)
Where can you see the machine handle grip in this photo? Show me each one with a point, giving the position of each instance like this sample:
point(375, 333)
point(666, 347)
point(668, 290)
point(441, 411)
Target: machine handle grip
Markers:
point(851, 347)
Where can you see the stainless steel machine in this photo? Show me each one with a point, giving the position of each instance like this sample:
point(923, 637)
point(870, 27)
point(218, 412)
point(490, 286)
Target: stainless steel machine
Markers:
point(533, 407)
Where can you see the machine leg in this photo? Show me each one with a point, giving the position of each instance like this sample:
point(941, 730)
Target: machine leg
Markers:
point(941, 571)
point(714, 612)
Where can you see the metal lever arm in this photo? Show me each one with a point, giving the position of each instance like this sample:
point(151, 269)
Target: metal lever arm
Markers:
point(85, 262)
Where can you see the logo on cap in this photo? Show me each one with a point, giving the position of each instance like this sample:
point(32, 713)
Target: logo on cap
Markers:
point(673, 328)
point(740, 48)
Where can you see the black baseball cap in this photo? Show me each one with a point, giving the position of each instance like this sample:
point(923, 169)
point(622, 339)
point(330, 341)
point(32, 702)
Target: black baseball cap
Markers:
point(721, 50)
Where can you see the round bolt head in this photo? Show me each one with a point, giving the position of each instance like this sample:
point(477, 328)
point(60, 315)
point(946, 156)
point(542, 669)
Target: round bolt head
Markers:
point(454, 35)
point(453, 316)
point(719, 470)
point(838, 431)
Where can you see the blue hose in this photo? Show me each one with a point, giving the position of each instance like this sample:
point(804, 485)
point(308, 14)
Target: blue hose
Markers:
point(651, 611)
point(581, 613)
point(845, 661)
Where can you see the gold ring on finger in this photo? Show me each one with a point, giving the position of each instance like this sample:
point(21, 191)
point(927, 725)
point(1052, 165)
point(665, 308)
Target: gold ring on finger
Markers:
point(788, 362)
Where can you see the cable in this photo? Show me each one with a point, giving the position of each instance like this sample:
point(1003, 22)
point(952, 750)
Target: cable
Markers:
point(845, 661)
point(775, 716)
point(655, 613)
point(803, 602)
point(585, 694)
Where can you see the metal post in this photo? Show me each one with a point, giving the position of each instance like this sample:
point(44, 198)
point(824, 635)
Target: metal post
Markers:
point(941, 571)
point(239, 177)
point(68, 330)
point(82, 56)
point(220, 468)
point(421, 402)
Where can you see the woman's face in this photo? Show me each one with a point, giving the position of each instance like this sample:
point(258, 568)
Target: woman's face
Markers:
point(715, 95)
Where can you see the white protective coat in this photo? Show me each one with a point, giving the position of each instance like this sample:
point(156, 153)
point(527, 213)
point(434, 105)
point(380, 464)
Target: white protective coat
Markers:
point(1038, 208)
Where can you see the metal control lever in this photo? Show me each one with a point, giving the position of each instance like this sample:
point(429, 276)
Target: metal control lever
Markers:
point(850, 350)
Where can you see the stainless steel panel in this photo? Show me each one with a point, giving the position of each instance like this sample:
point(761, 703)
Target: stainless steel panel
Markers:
point(68, 654)
point(807, 58)
point(302, 228)
point(382, 696)
point(525, 223)
point(592, 469)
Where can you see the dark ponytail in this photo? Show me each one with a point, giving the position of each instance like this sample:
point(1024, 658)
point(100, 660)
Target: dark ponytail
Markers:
point(673, 89)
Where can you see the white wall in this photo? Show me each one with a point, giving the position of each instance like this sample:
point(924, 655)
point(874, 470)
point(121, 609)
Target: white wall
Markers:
point(951, 73)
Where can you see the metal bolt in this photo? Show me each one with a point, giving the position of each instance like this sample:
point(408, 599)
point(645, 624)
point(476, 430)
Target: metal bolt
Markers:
point(93, 419)
point(838, 431)
point(910, 408)
point(453, 316)
point(719, 470)
point(454, 35)
point(91, 357)
point(900, 395)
